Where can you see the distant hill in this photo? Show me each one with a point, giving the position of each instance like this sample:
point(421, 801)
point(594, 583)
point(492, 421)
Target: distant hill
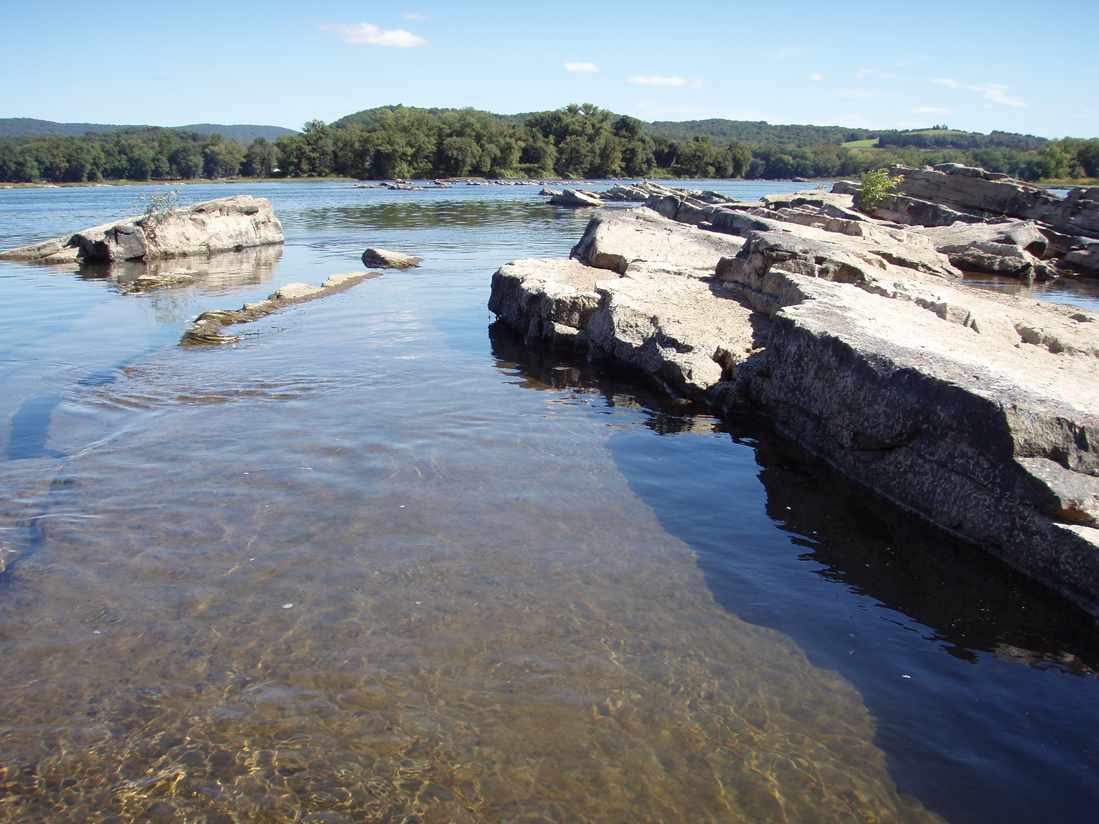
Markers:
point(758, 131)
point(30, 127)
point(762, 133)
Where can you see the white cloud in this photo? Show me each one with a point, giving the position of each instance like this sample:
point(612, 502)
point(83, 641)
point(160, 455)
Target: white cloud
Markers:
point(997, 93)
point(816, 77)
point(367, 34)
point(949, 82)
point(416, 17)
point(931, 110)
point(582, 68)
point(657, 80)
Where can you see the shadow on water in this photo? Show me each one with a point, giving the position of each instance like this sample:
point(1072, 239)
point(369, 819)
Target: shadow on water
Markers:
point(983, 684)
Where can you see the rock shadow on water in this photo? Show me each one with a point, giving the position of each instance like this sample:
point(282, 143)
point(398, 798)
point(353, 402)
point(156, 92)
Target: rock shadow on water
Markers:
point(994, 729)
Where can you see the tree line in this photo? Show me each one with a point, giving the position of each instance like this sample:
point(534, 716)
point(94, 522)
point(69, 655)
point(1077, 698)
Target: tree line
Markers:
point(577, 141)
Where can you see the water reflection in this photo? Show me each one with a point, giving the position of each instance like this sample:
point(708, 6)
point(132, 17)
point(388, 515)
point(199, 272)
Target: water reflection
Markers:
point(868, 592)
point(462, 214)
point(1072, 291)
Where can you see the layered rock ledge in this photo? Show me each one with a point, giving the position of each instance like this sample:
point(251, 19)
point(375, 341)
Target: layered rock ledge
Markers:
point(223, 225)
point(975, 410)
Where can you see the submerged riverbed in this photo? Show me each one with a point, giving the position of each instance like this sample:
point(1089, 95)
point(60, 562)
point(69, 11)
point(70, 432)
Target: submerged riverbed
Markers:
point(377, 562)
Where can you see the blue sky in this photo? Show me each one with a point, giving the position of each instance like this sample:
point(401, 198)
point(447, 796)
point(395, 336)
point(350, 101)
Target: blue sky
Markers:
point(1014, 66)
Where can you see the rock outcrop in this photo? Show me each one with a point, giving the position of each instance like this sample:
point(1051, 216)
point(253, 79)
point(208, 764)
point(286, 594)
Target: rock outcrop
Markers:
point(977, 411)
point(207, 328)
point(223, 225)
point(385, 259)
point(951, 192)
point(1012, 248)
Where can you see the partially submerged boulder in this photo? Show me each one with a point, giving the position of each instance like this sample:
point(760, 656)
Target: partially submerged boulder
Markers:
point(576, 199)
point(207, 327)
point(386, 259)
point(223, 225)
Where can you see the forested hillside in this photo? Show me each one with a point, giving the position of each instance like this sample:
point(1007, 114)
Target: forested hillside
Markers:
point(577, 141)
point(30, 127)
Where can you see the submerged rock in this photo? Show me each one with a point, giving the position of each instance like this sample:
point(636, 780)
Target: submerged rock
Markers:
point(976, 411)
point(207, 327)
point(386, 259)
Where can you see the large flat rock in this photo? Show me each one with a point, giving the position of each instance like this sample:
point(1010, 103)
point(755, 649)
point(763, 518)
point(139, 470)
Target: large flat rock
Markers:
point(618, 239)
point(977, 411)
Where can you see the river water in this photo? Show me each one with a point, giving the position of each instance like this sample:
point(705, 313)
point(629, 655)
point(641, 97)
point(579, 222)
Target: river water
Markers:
point(375, 562)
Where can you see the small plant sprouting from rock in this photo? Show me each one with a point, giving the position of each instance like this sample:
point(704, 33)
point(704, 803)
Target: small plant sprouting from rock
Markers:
point(156, 207)
point(876, 187)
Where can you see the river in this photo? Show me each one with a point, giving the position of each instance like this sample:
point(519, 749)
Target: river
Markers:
point(377, 562)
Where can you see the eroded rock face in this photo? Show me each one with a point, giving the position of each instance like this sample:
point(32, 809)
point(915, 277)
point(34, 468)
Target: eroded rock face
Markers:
point(386, 259)
point(977, 411)
point(547, 300)
point(223, 225)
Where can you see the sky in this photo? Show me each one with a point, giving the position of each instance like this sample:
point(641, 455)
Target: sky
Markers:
point(1014, 66)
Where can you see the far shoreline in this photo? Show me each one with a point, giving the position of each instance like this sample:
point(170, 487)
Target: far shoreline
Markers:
point(1047, 183)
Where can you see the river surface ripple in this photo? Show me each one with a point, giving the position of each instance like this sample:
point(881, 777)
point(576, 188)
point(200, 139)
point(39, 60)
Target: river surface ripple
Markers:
point(376, 562)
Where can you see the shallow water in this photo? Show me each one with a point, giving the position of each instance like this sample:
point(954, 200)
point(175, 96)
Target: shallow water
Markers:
point(1071, 291)
point(376, 562)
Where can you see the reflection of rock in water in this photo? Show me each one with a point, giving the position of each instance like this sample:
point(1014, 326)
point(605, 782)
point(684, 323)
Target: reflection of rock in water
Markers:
point(971, 600)
point(221, 272)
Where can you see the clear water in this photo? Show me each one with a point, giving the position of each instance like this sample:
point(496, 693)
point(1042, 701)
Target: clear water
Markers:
point(376, 562)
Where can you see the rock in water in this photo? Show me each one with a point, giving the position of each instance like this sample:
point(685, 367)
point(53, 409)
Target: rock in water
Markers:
point(207, 327)
point(977, 411)
point(576, 199)
point(224, 225)
point(386, 259)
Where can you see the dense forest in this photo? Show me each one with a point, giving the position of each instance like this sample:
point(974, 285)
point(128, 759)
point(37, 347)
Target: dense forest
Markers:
point(578, 141)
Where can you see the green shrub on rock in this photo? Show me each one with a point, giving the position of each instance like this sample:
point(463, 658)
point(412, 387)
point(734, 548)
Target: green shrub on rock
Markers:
point(876, 187)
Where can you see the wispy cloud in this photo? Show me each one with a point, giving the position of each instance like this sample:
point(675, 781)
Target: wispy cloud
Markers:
point(931, 110)
point(997, 93)
point(816, 77)
point(582, 68)
point(367, 34)
point(874, 74)
point(416, 17)
point(657, 80)
point(857, 94)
